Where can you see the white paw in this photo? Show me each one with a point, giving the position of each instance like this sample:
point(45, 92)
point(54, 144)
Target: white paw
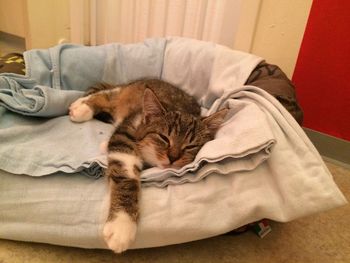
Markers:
point(120, 232)
point(79, 111)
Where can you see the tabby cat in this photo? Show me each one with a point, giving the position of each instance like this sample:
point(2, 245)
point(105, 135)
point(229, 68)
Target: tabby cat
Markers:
point(156, 124)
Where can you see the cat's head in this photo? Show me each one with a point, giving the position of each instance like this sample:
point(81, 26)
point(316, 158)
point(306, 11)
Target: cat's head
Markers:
point(172, 138)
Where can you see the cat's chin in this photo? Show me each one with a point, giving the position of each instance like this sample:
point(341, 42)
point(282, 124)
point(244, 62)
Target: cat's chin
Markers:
point(160, 165)
point(171, 166)
point(166, 166)
point(163, 165)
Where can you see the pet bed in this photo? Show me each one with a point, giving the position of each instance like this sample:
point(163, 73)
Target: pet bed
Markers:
point(260, 165)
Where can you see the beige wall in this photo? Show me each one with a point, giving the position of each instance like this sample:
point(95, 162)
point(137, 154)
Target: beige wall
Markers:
point(12, 19)
point(48, 22)
point(43, 23)
point(279, 31)
point(276, 34)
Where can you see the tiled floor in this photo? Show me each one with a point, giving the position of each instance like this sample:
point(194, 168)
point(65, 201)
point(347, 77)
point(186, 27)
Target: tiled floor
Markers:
point(322, 238)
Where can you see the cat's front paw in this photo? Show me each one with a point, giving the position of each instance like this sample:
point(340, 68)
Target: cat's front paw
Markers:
point(120, 232)
point(79, 111)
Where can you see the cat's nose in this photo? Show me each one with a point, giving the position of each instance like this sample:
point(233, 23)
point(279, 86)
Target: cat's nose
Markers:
point(172, 158)
point(173, 154)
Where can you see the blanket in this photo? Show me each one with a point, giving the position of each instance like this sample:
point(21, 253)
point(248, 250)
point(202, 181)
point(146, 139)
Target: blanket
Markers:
point(67, 209)
point(54, 79)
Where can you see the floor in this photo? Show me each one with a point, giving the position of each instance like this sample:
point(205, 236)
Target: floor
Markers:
point(11, 44)
point(320, 238)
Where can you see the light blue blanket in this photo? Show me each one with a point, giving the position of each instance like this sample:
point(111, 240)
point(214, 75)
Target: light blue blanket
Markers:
point(55, 78)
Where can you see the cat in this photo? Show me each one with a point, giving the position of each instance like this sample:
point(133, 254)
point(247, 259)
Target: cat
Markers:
point(157, 124)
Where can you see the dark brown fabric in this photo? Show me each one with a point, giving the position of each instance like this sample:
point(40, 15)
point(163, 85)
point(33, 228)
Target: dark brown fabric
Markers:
point(273, 80)
point(12, 63)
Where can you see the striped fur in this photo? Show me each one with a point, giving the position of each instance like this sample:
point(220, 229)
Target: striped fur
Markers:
point(157, 124)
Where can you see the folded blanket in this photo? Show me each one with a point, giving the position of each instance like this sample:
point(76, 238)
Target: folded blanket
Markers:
point(57, 76)
point(244, 141)
point(40, 146)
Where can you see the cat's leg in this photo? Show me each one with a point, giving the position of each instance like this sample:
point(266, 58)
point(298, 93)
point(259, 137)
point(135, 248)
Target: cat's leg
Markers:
point(85, 108)
point(124, 166)
point(100, 87)
point(80, 111)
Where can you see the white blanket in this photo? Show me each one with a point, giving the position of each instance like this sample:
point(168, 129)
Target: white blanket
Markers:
point(293, 182)
point(210, 72)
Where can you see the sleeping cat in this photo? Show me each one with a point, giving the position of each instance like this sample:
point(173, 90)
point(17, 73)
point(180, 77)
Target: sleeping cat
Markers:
point(156, 124)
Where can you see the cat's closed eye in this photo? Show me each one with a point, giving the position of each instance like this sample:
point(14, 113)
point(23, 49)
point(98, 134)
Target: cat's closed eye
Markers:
point(158, 137)
point(164, 138)
point(191, 147)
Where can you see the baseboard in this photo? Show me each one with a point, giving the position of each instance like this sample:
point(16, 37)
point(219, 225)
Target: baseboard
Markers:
point(330, 147)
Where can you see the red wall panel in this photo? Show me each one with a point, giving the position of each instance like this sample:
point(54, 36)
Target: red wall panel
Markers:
point(322, 73)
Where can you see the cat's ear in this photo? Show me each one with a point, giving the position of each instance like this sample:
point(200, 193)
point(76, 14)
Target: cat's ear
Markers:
point(214, 121)
point(151, 106)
